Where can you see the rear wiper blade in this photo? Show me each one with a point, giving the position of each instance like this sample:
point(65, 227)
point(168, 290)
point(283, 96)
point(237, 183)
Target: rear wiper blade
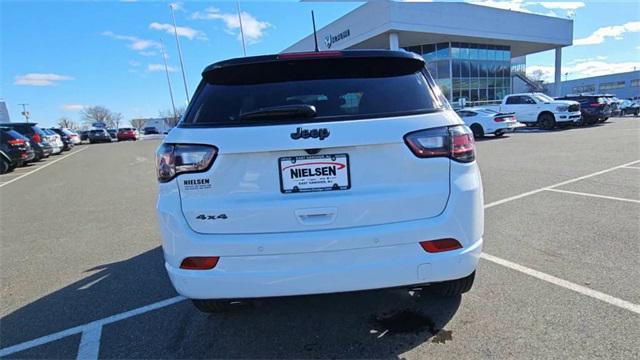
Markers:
point(298, 110)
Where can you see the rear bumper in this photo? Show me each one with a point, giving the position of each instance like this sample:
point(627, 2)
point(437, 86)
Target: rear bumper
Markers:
point(326, 261)
point(508, 127)
point(324, 272)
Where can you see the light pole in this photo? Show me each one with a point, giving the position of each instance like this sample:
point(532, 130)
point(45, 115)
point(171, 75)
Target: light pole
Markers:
point(166, 69)
point(175, 31)
point(244, 48)
point(25, 113)
point(566, 76)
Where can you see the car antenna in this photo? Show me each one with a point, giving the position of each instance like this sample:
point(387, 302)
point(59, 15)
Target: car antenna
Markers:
point(315, 36)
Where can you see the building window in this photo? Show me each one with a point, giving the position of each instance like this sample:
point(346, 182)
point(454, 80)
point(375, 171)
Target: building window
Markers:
point(584, 89)
point(612, 85)
point(635, 82)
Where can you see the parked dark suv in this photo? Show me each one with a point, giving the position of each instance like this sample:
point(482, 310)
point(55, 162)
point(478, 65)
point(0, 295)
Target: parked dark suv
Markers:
point(594, 108)
point(99, 135)
point(38, 138)
point(15, 150)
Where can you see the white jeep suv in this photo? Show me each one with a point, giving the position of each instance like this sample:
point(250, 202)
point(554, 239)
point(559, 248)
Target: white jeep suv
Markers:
point(322, 172)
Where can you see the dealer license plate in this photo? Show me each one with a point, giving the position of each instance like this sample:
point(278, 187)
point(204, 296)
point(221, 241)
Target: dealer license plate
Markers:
point(314, 173)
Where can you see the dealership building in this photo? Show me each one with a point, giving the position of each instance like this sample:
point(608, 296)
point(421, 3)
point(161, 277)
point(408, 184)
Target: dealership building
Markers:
point(624, 85)
point(473, 52)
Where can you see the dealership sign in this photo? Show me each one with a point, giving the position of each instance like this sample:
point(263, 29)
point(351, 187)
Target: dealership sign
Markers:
point(331, 39)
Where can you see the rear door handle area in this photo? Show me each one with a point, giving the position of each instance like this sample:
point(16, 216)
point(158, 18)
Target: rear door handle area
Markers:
point(316, 216)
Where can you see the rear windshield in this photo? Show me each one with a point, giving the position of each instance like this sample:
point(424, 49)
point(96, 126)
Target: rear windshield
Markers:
point(13, 134)
point(341, 89)
point(97, 131)
point(126, 129)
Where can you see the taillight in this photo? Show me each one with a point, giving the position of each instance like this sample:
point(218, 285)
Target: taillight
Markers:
point(199, 263)
point(504, 118)
point(16, 142)
point(36, 137)
point(455, 142)
point(440, 245)
point(175, 159)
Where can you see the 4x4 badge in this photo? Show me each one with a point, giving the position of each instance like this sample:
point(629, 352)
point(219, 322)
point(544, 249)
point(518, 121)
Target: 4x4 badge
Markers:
point(321, 133)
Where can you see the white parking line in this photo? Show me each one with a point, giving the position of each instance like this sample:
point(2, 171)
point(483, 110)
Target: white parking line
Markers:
point(94, 336)
point(90, 343)
point(41, 167)
point(632, 167)
point(594, 195)
point(623, 304)
point(533, 192)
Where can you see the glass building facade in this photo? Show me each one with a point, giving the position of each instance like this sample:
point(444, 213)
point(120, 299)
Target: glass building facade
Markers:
point(477, 72)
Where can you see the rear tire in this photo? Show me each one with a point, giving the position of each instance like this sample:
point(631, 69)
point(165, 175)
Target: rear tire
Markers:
point(453, 287)
point(478, 131)
point(546, 122)
point(210, 306)
point(4, 166)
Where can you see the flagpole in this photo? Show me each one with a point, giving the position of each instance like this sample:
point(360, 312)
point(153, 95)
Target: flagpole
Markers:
point(175, 31)
point(244, 48)
point(166, 69)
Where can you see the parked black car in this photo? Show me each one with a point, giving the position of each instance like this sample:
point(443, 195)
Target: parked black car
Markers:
point(15, 150)
point(84, 135)
point(66, 140)
point(99, 135)
point(150, 130)
point(594, 108)
point(36, 135)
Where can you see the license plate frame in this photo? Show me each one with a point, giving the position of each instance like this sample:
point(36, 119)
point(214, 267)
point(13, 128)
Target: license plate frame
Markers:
point(285, 163)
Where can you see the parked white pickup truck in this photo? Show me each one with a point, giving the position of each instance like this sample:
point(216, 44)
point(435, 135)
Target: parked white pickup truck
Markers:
point(541, 110)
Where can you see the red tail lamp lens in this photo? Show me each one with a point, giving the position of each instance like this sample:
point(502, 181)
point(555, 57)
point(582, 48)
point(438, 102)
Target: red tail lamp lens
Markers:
point(440, 245)
point(455, 142)
point(199, 262)
point(16, 142)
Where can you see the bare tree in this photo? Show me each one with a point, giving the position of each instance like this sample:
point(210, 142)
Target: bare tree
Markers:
point(537, 76)
point(137, 123)
point(101, 114)
point(65, 122)
point(115, 119)
point(170, 118)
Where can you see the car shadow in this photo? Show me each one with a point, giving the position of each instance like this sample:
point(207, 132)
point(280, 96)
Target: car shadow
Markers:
point(368, 324)
point(492, 138)
point(372, 324)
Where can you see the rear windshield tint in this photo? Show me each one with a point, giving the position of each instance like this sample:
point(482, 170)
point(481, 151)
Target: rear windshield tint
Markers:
point(97, 131)
point(341, 89)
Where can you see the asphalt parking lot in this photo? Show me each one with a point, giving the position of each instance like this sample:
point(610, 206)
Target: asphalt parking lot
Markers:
point(82, 274)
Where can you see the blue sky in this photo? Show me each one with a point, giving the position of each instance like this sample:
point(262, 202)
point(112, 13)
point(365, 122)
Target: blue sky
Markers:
point(59, 56)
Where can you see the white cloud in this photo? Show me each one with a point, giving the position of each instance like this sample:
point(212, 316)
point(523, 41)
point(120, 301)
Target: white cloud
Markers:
point(187, 32)
point(134, 63)
point(39, 79)
point(515, 5)
point(616, 32)
point(586, 68)
point(73, 107)
point(159, 67)
point(562, 5)
point(142, 46)
point(522, 6)
point(252, 27)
